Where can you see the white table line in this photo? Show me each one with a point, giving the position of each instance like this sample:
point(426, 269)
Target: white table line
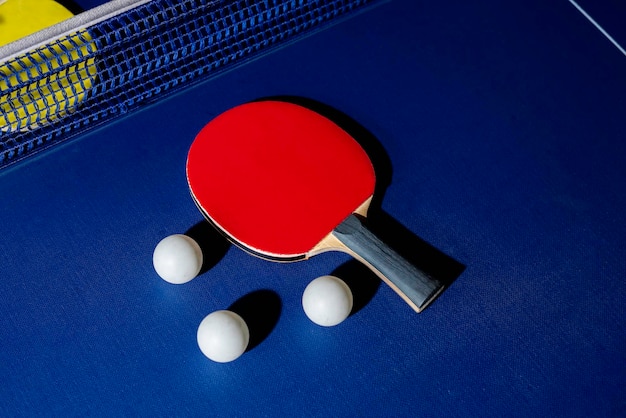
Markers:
point(597, 25)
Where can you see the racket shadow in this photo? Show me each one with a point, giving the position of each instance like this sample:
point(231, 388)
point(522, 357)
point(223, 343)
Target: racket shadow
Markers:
point(362, 283)
point(418, 252)
point(260, 310)
point(213, 245)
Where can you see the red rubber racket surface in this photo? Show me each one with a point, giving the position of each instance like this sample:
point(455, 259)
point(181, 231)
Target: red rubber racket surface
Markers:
point(276, 177)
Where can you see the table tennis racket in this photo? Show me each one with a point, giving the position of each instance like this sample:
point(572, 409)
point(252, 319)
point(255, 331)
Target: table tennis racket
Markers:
point(285, 183)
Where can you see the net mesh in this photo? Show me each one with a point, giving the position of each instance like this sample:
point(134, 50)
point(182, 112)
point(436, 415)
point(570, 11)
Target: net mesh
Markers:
point(103, 71)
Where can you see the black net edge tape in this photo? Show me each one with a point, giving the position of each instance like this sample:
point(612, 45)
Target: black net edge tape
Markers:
point(161, 47)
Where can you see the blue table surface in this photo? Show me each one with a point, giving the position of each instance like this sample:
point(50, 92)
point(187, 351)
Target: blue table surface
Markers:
point(502, 132)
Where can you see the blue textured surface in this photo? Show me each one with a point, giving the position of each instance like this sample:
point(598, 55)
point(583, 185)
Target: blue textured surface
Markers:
point(504, 127)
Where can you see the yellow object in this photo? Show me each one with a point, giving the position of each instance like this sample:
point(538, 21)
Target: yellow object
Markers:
point(54, 78)
point(19, 18)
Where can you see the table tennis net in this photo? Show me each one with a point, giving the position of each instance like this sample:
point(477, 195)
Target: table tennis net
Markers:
point(97, 71)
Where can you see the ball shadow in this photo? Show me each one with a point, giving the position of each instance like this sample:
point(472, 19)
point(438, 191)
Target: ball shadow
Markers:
point(260, 310)
point(213, 245)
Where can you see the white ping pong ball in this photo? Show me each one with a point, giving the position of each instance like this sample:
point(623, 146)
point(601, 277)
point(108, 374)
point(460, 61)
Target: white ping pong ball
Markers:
point(327, 301)
point(223, 336)
point(177, 259)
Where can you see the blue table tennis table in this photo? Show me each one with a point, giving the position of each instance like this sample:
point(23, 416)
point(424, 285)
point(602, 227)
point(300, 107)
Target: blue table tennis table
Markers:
point(500, 134)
